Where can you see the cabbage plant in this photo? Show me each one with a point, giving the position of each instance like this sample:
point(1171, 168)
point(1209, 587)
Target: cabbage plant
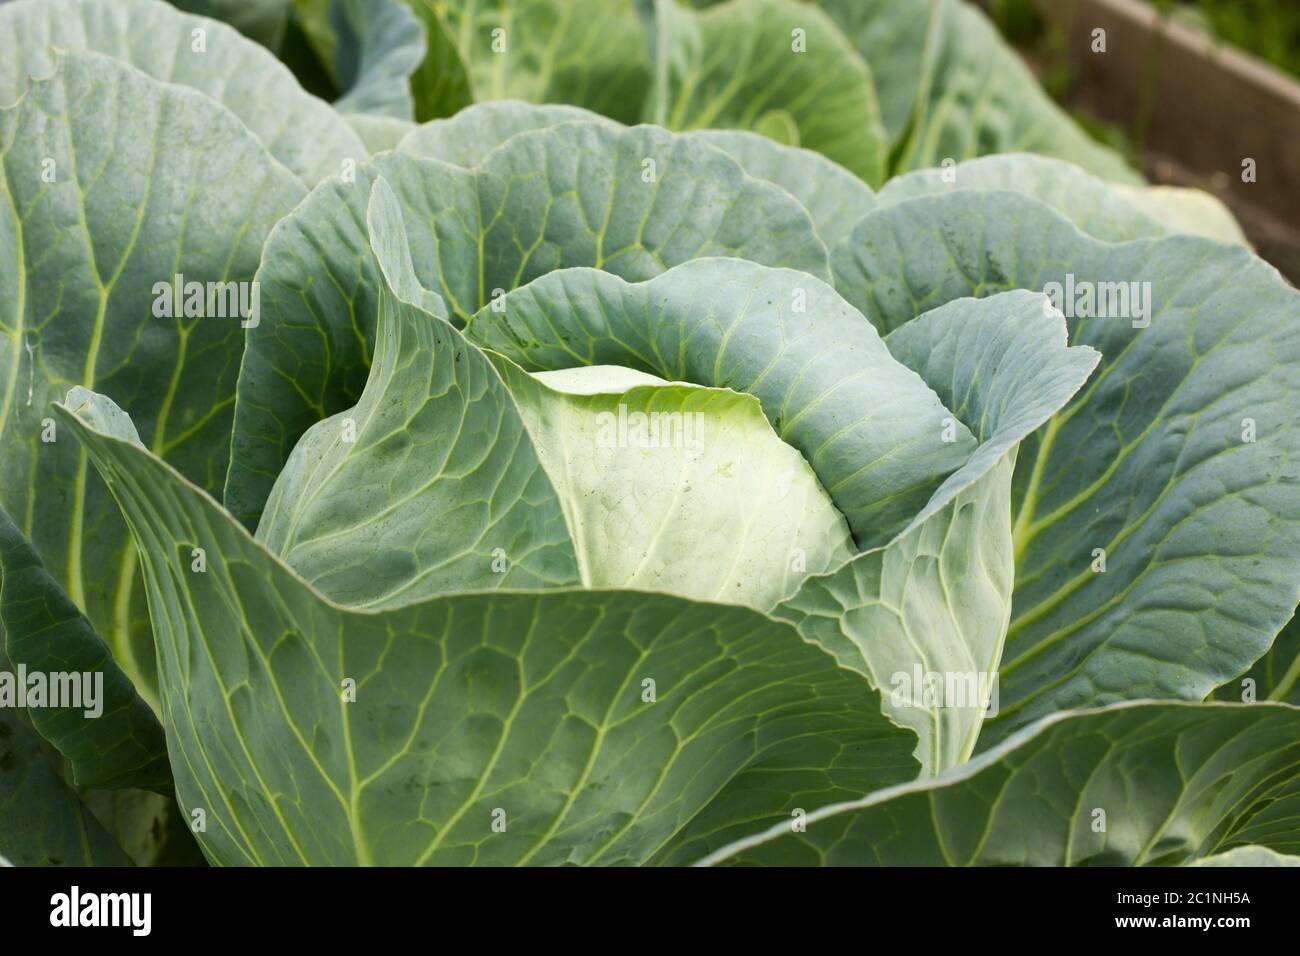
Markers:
point(563, 490)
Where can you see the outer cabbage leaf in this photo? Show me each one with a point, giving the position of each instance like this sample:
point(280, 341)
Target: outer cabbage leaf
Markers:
point(366, 53)
point(379, 133)
point(42, 820)
point(834, 197)
point(775, 67)
point(377, 46)
point(262, 20)
point(301, 132)
point(79, 259)
point(467, 138)
point(633, 202)
point(578, 52)
point(1133, 784)
point(1097, 208)
point(1110, 211)
point(441, 83)
point(1177, 461)
point(1275, 676)
point(1185, 210)
point(894, 42)
point(120, 746)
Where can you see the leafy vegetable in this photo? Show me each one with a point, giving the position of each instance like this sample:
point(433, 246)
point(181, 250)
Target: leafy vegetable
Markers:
point(782, 480)
point(402, 364)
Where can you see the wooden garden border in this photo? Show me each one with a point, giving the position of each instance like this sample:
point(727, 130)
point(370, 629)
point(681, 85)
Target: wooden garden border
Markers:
point(1201, 108)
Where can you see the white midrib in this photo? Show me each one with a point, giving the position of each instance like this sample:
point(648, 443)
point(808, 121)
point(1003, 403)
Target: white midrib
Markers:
point(20, 305)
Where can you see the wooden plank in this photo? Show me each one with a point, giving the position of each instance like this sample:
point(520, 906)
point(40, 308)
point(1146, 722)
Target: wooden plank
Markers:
point(1200, 108)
